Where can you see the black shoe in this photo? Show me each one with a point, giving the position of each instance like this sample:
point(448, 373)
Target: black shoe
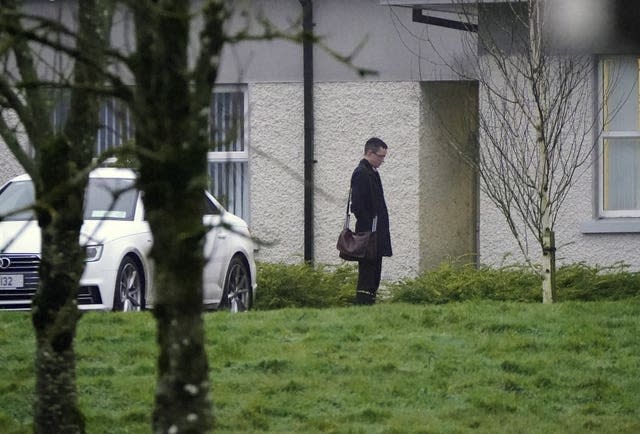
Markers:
point(365, 297)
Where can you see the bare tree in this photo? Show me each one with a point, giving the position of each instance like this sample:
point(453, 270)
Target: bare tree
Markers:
point(59, 167)
point(536, 122)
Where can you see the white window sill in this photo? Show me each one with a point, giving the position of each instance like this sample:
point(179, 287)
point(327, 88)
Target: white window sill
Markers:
point(611, 226)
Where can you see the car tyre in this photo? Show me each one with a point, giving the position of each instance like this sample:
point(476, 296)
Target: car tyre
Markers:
point(238, 294)
point(129, 290)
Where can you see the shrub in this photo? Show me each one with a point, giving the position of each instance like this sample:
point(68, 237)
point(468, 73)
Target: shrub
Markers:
point(579, 282)
point(591, 283)
point(302, 285)
point(452, 282)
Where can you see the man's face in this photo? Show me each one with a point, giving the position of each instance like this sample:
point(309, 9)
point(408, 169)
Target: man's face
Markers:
point(376, 158)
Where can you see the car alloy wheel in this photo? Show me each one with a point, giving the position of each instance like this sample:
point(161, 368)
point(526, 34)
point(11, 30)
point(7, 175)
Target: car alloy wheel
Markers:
point(237, 296)
point(129, 291)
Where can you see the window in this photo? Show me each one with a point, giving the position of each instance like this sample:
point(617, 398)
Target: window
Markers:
point(116, 125)
point(16, 200)
point(110, 199)
point(229, 153)
point(228, 156)
point(620, 143)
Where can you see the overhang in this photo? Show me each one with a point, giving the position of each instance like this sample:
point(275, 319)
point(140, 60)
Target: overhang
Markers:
point(453, 14)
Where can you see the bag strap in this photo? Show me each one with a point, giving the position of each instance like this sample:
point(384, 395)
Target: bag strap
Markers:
point(374, 222)
point(347, 215)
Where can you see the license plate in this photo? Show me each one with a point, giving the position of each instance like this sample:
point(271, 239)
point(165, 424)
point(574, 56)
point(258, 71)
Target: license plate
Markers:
point(10, 281)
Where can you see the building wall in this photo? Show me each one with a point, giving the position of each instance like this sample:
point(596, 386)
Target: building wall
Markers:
point(9, 166)
point(346, 115)
point(380, 38)
point(276, 164)
point(498, 246)
point(448, 182)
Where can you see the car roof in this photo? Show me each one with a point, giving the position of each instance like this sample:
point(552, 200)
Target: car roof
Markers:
point(101, 172)
point(23, 177)
point(113, 172)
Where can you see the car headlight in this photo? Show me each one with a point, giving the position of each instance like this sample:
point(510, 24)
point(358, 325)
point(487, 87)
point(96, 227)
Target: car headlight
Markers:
point(93, 252)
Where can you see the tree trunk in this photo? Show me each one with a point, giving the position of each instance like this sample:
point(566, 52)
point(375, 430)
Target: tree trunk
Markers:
point(171, 130)
point(538, 83)
point(182, 392)
point(182, 401)
point(549, 267)
point(55, 316)
point(60, 184)
point(56, 404)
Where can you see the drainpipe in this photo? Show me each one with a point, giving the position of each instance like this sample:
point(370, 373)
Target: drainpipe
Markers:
point(309, 160)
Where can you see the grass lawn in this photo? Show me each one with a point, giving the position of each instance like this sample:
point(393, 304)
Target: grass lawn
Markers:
point(482, 367)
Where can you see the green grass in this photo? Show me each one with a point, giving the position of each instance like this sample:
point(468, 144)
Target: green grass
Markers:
point(473, 367)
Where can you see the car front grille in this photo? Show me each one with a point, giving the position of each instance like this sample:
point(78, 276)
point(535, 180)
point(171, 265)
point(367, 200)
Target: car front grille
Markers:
point(27, 266)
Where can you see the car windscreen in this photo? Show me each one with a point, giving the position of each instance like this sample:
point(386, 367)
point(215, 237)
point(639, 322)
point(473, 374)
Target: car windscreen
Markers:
point(110, 199)
point(106, 199)
point(16, 200)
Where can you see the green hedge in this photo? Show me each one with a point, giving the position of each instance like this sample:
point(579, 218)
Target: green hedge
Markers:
point(301, 285)
point(588, 283)
point(452, 282)
point(516, 283)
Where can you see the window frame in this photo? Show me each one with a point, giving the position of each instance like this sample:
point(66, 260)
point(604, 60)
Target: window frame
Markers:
point(604, 135)
point(235, 156)
point(223, 156)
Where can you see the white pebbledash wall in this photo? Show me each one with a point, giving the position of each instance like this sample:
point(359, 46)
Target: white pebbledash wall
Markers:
point(498, 247)
point(346, 115)
point(10, 166)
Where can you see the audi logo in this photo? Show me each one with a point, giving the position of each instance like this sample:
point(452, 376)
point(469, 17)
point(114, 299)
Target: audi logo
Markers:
point(5, 262)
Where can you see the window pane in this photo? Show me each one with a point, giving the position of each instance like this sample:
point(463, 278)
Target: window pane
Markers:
point(621, 174)
point(61, 100)
point(229, 185)
point(116, 126)
point(227, 121)
point(621, 94)
point(110, 199)
point(16, 200)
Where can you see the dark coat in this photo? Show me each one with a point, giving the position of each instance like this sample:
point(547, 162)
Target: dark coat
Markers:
point(367, 201)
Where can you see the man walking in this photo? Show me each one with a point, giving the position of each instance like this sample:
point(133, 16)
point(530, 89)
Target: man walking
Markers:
point(367, 204)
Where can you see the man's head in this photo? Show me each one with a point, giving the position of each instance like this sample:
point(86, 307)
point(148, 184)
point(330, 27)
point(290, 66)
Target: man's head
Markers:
point(375, 150)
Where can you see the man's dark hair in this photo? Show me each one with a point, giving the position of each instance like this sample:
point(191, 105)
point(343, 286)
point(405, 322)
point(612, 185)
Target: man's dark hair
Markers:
point(373, 144)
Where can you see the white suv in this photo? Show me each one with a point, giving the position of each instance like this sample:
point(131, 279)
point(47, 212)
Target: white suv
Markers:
point(117, 239)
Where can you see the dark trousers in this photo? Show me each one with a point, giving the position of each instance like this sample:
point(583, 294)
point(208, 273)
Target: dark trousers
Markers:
point(368, 280)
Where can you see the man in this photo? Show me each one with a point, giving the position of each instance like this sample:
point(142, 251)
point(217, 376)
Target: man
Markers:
point(367, 202)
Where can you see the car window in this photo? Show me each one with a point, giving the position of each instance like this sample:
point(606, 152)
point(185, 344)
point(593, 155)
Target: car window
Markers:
point(210, 208)
point(15, 200)
point(110, 199)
